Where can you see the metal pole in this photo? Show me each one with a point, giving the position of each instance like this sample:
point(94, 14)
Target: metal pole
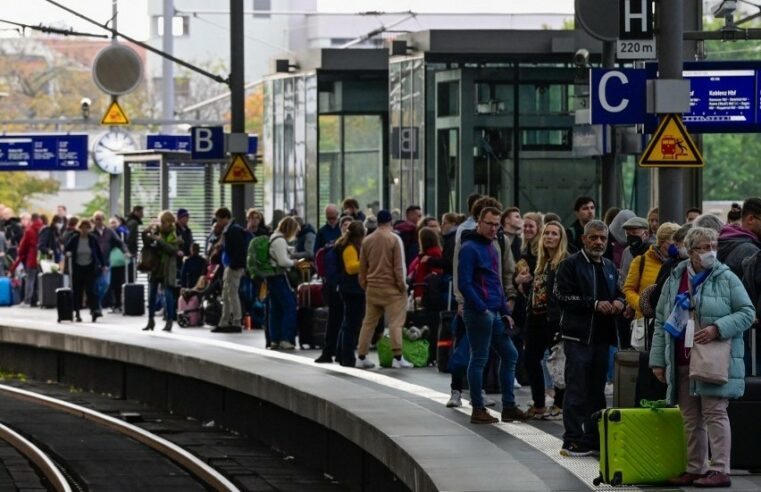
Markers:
point(670, 53)
point(167, 67)
point(114, 180)
point(610, 169)
point(237, 96)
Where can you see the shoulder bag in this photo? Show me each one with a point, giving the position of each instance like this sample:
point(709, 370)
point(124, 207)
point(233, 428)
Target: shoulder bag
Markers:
point(709, 362)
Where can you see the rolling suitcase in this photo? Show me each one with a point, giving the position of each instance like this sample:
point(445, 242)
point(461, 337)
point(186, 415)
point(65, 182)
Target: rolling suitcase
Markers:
point(6, 292)
point(305, 315)
point(626, 370)
point(64, 297)
point(445, 340)
point(47, 284)
point(641, 446)
point(133, 296)
point(743, 417)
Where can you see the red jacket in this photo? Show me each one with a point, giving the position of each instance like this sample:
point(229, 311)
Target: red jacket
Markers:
point(27, 248)
point(419, 270)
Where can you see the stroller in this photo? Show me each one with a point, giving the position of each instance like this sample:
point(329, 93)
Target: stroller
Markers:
point(201, 304)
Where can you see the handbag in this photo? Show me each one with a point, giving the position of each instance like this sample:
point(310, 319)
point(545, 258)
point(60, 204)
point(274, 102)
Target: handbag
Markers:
point(637, 339)
point(709, 362)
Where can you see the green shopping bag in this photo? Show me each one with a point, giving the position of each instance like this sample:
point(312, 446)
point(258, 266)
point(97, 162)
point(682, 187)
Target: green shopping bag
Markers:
point(415, 352)
point(385, 355)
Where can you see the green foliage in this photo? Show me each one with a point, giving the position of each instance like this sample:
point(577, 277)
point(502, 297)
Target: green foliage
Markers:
point(99, 200)
point(17, 189)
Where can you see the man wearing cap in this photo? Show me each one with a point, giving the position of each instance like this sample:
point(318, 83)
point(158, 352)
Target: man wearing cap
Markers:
point(382, 274)
point(184, 232)
point(637, 231)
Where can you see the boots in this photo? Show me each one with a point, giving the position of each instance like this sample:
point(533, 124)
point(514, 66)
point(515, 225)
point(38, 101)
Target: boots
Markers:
point(150, 325)
point(168, 325)
point(482, 416)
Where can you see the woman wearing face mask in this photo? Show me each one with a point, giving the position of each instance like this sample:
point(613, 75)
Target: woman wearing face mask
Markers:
point(166, 241)
point(705, 293)
point(644, 269)
point(677, 254)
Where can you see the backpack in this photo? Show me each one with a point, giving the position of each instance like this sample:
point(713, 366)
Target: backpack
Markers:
point(328, 262)
point(259, 264)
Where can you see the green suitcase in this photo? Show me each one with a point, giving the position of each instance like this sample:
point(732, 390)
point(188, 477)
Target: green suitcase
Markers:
point(640, 446)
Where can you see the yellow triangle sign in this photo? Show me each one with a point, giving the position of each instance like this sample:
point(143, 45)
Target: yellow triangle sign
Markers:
point(671, 146)
point(238, 171)
point(115, 115)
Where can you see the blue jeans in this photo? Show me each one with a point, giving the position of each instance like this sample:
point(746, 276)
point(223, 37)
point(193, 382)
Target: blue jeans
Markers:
point(169, 304)
point(485, 330)
point(282, 310)
point(104, 280)
point(354, 312)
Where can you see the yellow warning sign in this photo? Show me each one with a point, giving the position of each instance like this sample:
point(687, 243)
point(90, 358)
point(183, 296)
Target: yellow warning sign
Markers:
point(115, 115)
point(238, 171)
point(671, 146)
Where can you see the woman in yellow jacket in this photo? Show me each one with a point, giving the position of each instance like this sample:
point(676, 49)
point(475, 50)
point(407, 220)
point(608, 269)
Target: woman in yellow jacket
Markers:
point(348, 247)
point(644, 275)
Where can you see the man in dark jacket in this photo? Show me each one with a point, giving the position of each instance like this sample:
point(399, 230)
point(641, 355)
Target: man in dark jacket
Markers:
point(234, 260)
point(585, 208)
point(737, 242)
point(134, 221)
point(407, 230)
point(330, 231)
point(587, 291)
point(487, 317)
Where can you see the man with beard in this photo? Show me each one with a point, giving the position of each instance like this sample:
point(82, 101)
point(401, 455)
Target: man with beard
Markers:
point(587, 291)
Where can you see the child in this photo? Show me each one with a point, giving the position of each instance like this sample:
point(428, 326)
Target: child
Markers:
point(193, 267)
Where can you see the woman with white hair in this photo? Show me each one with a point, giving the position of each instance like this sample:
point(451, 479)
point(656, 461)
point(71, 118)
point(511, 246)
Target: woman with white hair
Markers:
point(702, 306)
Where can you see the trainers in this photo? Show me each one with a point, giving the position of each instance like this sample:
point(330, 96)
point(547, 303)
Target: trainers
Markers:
point(685, 479)
point(488, 401)
point(482, 416)
point(713, 479)
point(553, 413)
point(274, 346)
point(511, 414)
point(455, 400)
point(401, 363)
point(517, 385)
point(573, 450)
point(364, 364)
point(324, 359)
point(286, 345)
point(534, 412)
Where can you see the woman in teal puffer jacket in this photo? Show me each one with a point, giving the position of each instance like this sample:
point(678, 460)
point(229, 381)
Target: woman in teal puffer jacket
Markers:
point(723, 311)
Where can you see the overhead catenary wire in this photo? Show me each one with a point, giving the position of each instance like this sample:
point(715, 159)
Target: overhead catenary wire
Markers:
point(53, 30)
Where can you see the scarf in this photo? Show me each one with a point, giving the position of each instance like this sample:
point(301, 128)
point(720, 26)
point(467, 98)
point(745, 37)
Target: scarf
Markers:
point(170, 238)
point(680, 313)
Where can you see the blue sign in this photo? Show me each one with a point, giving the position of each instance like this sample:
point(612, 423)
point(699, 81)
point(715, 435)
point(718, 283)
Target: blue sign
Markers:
point(182, 142)
point(43, 152)
point(157, 141)
point(617, 97)
point(207, 142)
point(720, 97)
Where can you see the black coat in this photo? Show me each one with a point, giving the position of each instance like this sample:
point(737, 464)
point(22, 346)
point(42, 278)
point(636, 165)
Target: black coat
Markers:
point(236, 246)
point(97, 255)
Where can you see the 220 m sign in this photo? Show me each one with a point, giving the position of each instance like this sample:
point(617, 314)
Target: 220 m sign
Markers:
point(635, 49)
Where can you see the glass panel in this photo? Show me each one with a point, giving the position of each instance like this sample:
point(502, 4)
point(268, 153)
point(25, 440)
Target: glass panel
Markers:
point(448, 154)
point(329, 168)
point(313, 213)
point(289, 154)
point(546, 98)
point(268, 148)
point(363, 159)
point(278, 158)
point(395, 122)
point(449, 99)
point(493, 170)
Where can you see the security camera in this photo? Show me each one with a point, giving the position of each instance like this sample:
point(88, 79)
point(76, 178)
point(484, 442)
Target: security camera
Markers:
point(724, 8)
point(85, 102)
point(581, 58)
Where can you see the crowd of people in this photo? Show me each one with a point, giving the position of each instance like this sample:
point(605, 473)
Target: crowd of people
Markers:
point(521, 287)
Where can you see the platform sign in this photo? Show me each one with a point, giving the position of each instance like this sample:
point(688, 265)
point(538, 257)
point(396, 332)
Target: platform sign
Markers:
point(182, 142)
point(617, 97)
point(671, 146)
point(721, 96)
point(43, 152)
point(207, 142)
point(635, 31)
point(238, 171)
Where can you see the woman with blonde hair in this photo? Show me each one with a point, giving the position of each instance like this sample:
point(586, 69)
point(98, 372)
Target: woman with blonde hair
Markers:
point(164, 240)
point(281, 301)
point(544, 316)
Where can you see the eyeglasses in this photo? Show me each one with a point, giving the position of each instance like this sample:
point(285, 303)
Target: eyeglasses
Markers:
point(706, 248)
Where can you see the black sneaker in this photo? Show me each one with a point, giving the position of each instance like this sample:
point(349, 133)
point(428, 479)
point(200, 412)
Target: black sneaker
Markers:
point(574, 450)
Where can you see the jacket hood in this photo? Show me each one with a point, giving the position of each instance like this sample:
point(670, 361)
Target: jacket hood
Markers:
point(734, 231)
point(616, 228)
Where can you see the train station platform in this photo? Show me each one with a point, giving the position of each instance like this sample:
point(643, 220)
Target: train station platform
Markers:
point(379, 429)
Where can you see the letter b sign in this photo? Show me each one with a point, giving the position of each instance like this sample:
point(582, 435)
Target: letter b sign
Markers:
point(207, 142)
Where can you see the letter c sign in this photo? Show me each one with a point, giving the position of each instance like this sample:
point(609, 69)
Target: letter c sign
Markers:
point(624, 102)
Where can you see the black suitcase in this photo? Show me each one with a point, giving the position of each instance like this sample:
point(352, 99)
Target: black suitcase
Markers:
point(445, 340)
point(648, 386)
point(133, 296)
point(319, 326)
point(64, 296)
point(212, 312)
point(47, 284)
point(743, 419)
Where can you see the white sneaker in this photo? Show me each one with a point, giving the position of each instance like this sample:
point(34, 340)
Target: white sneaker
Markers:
point(608, 389)
point(516, 384)
point(455, 400)
point(364, 363)
point(286, 345)
point(488, 401)
point(401, 363)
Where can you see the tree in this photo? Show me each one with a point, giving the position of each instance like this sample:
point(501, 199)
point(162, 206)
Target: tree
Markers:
point(17, 189)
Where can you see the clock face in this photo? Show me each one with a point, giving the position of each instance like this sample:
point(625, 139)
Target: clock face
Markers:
point(106, 147)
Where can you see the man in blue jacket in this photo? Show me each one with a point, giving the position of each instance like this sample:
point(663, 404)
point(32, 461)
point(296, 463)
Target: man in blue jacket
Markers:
point(487, 317)
point(586, 288)
point(234, 261)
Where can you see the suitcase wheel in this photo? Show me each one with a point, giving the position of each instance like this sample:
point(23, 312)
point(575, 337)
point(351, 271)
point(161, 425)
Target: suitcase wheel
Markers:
point(597, 481)
point(616, 480)
point(183, 321)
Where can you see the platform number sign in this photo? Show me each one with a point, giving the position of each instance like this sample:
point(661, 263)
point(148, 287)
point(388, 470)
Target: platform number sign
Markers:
point(635, 30)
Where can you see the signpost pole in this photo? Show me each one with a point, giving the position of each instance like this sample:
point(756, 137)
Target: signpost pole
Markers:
point(237, 97)
point(670, 54)
point(114, 180)
point(610, 170)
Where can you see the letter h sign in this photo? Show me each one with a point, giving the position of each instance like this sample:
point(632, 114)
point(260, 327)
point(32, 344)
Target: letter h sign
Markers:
point(635, 19)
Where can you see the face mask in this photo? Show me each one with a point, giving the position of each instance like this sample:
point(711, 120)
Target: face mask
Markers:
point(635, 242)
point(683, 252)
point(59, 226)
point(708, 259)
point(673, 251)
